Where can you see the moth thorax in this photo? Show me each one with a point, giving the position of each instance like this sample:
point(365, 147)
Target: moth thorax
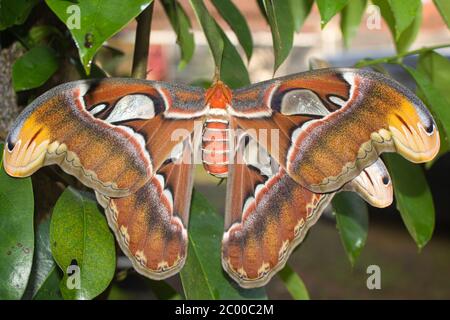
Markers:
point(215, 147)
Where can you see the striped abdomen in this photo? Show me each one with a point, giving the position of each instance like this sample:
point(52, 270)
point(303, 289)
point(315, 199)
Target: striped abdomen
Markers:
point(215, 147)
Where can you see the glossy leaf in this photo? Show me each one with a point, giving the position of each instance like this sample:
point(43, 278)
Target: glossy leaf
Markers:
point(444, 9)
point(79, 235)
point(262, 10)
point(49, 290)
point(329, 8)
point(294, 284)
point(437, 69)
point(351, 17)
point(413, 197)
point(282, 27)
point(404, 13)
point(231, 14)
point(202, 276)
point(15, 12)
point(92, 22)
point(409, 34)
point(352, 218)
point(233, 70)
point(227, 60)
point(43, 263)
point(437, 102)
point(300, 10)
point(408, 37)
point(16, 234)
point(211, 30)
point(34, 68)
point(182, 26)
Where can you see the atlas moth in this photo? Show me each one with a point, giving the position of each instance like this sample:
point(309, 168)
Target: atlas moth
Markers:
point(323, 132)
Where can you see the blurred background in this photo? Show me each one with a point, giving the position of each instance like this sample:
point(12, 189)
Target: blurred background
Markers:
point(321, 260)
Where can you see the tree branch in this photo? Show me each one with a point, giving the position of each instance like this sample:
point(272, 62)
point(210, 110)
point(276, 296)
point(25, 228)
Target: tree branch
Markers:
point(366, 63)
point(141, 45)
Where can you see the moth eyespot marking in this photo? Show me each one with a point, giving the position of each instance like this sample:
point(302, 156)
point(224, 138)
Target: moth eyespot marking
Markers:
point(430, 129)
point(9, 144)
point(98, 108)
point(306, 102)
point(133, 106)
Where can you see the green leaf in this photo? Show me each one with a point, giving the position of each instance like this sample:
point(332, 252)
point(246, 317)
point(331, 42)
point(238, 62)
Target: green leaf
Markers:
point(42, 33)
point(227, 60)
point(92, 22)
point(413, 197)
point(444, 9)
point(233, 71)
point(15, 12)
point(16, 234)
point(329, 8)
point(437, 69)
point(437, 103)
point(202, 83)
point(231, 14)
point(293, 283)
point(404, 40)
point(43, 263)
point(352, 218)
point(80, 235)
point(408, 37)
point(351, 17)
point(49, 290)
point(211, 30)
point(202, 276)
point(282, 27)
point(34, 68)
point(300, 10)
point(182, 26)
point(404, 13)
point(262, 10)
